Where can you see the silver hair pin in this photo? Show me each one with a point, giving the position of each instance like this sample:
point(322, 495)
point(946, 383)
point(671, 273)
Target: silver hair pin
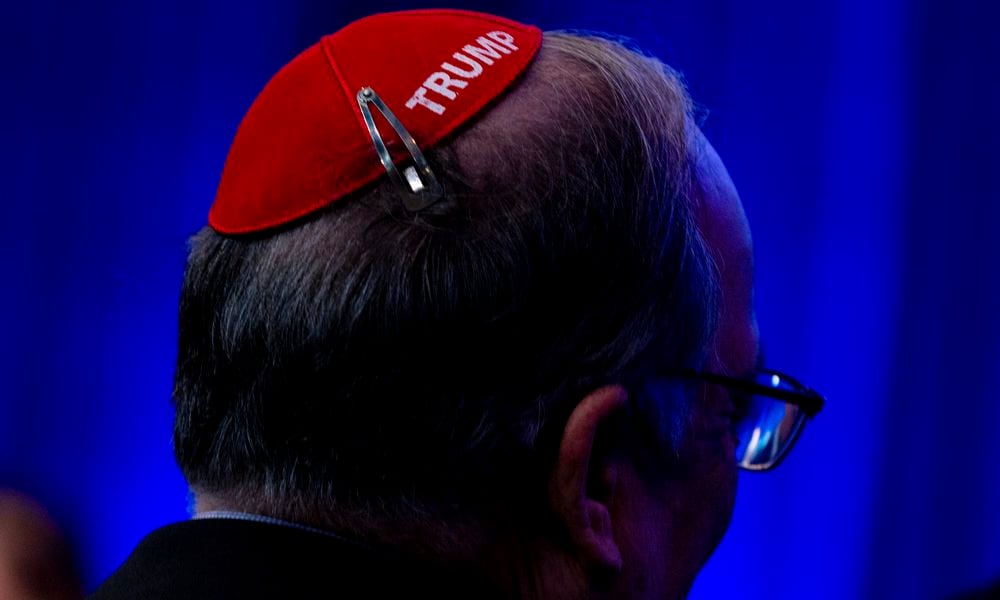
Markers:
point(418, 182)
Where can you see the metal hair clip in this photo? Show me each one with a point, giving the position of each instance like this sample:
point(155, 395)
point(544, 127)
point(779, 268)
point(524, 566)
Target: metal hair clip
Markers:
point(417, 181)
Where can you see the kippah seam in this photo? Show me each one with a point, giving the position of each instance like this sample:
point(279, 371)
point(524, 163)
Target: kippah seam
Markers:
point(348, 94)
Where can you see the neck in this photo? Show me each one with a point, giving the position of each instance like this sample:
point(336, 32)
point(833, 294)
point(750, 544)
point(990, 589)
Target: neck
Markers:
point(519, 564)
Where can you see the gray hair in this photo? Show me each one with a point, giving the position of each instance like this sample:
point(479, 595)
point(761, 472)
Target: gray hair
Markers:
point(372, 364)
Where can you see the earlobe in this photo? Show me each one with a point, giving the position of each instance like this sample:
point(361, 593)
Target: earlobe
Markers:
point(583, 486)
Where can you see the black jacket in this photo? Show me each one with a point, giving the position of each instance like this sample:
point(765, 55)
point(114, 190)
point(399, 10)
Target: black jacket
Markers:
point(225, 558)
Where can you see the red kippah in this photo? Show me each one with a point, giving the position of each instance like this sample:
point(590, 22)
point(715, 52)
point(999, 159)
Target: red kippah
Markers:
point(303, 144)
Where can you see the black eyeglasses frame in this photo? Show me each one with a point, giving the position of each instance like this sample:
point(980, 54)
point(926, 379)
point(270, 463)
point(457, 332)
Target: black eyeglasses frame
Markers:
point(809, 401)
point(806, 398)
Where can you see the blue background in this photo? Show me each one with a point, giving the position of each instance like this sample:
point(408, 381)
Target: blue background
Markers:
point(863, 136)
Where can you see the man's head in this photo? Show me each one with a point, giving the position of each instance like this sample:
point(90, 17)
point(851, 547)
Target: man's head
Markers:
point(487, 377)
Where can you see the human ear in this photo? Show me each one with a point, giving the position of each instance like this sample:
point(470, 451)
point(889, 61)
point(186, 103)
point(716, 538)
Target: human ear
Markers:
point(583, 484)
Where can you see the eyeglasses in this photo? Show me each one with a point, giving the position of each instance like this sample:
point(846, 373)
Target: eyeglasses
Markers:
point(771, 411)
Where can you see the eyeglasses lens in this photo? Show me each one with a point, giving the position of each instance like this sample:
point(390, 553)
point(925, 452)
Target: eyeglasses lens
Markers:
point(766, 427)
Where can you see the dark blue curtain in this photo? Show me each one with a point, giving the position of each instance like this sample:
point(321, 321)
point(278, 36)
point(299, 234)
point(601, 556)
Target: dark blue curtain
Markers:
point(863, 136)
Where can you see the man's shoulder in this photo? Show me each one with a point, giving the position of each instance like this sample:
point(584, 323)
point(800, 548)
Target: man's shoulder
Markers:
point(227, 558)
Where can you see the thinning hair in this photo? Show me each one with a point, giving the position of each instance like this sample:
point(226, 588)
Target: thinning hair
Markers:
point(370, 361)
